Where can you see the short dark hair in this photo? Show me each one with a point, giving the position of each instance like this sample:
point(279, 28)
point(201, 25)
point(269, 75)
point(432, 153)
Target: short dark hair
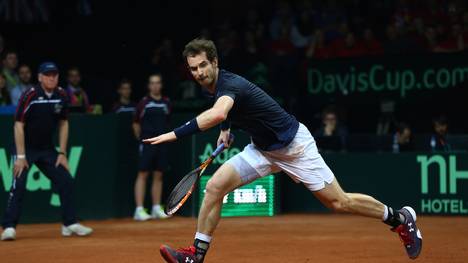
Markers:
point(329, 110)
point(8, 52)
point(124, 81)
point(24, 66)
point(199, 45)
point(441, 119)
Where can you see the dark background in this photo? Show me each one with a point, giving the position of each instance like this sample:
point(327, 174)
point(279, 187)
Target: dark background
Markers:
point(109, 40)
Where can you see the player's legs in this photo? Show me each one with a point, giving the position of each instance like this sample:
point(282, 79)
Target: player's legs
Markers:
point(403, 221)
point(303, 163)
point(333, 197)
point(241, 169)
point(223, 181)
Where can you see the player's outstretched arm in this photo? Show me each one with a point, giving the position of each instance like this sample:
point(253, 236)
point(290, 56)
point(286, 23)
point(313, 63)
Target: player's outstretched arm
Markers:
point(217, 114)
point(209, 118)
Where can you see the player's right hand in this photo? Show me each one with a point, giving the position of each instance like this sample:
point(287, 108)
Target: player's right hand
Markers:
point(20, 166)
point(224, 137)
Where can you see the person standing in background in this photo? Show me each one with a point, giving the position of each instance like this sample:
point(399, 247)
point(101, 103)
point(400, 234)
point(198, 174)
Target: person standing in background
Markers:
point(24, 73)
point(4, 94)
point(438, 141)
point(402, 140)
point(77, 95)
point(41, 111)
point(2, 44)
point(332, 135)
point(151, 119)
point(124, 103)
point(10, 62)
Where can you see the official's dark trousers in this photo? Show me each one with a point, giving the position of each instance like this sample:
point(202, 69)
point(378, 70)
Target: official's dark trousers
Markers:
point(61, 179)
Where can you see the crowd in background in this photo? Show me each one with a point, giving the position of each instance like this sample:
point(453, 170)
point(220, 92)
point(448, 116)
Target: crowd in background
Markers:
point(259, 46)
point(269, 48)
point(15, 78)
point(333, 136)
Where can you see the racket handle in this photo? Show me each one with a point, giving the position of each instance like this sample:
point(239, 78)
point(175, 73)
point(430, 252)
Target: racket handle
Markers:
point(221, 147)
point(218, 150)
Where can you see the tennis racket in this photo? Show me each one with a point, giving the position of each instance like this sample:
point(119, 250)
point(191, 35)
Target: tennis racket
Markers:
point(185, 187)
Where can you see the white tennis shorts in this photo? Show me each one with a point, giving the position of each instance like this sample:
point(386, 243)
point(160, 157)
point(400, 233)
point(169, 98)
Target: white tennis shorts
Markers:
point(300, 160)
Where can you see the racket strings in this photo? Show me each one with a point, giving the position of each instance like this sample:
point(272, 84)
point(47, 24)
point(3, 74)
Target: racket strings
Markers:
point(184, 188)
point(181, 189)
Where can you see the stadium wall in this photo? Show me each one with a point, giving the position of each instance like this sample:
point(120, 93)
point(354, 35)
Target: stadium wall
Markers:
point(103, 156)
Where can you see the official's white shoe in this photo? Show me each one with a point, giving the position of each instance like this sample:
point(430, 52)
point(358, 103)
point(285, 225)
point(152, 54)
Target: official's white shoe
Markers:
point(141, 215)
point(158, 213)
point(76, 229)
point(9, 234)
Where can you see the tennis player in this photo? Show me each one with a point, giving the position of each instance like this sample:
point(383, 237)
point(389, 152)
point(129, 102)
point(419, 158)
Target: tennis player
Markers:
point(279, 143)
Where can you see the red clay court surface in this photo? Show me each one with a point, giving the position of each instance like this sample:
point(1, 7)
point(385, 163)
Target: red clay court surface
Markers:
point(286, 238)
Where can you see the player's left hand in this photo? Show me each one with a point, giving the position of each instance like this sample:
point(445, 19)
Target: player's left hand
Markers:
point(226, 138)
point(166, 137)
point(62, 160)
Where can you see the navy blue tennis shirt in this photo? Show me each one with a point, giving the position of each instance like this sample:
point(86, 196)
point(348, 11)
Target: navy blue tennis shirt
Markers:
point(255, 112)
point(153, 116)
